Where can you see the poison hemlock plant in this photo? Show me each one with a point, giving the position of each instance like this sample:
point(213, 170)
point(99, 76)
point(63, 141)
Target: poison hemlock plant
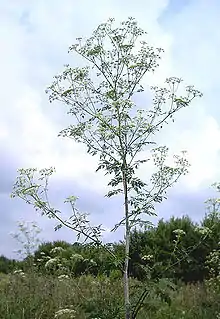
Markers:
point(28, 237)
point(100, 98)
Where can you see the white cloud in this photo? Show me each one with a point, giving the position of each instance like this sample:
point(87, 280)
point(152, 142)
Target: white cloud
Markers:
point(203, 153)
point(194, 56)
point(3, 131)
point(39, 33)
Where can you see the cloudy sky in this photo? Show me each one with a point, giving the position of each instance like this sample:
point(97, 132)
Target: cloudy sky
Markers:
point(35, 36)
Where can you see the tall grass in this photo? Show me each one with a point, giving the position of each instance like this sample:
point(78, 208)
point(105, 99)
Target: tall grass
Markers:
point(30, 296)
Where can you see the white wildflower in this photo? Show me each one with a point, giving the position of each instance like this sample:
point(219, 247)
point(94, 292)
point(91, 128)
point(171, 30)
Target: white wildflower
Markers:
point(57, 250)
point(65, 313)
point(62, 277)
point(179, 232)
point(148, 257)
point(51, 262)
point(77, 257)
point(19, 272)
point(203, 230)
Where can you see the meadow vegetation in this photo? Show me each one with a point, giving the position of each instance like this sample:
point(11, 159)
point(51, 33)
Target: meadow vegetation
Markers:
point(63, 280)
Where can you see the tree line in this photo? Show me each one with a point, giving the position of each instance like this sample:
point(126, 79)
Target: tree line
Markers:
point(178, 249)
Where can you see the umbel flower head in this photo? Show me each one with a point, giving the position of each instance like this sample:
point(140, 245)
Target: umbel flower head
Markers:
point(66, 313)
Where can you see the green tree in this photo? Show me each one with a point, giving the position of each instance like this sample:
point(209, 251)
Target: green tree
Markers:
point(212, 222)
point(7, 265)
point(46, 247)
point(174, 249)
point(81, 258)
point(101, 98)
point(43, 253)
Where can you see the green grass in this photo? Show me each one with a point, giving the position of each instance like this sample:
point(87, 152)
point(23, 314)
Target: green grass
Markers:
point(40, 297)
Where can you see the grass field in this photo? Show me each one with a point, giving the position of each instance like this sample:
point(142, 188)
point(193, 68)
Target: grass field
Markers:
point(43, 297)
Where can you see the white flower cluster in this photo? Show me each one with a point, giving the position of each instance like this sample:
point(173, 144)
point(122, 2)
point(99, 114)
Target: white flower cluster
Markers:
point(148, 257)
point(77, 257)
point(57, 250)
point(203, 230)
point(179, 232)
point(19, 273)
point(63, 277)
point(66, 313)
point(51, 262)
